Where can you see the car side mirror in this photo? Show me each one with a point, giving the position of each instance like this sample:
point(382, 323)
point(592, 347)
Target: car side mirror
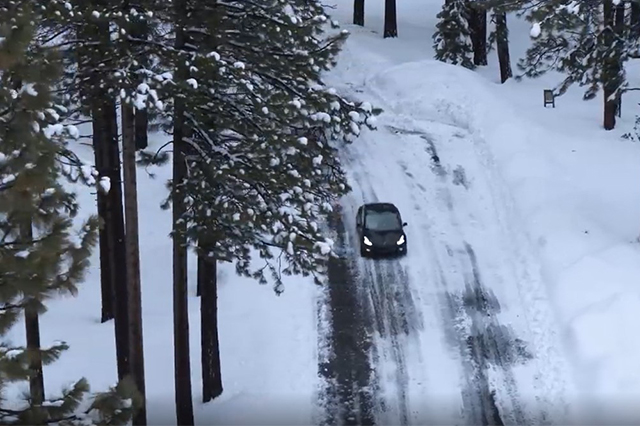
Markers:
point(404, 224)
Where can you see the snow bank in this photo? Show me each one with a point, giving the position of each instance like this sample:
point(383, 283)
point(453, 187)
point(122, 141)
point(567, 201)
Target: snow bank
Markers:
point(578, 198)
point(268, 351)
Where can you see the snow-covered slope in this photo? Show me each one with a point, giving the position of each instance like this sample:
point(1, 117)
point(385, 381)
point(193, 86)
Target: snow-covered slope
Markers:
point(519, 294)
point(551, 203)
point(466, 243)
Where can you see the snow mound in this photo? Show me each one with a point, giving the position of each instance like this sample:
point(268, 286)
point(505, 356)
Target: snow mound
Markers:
point(569, 195)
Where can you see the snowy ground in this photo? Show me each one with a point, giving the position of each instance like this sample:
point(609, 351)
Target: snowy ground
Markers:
point(268, 344)
point(544, 198)
point(517, 301)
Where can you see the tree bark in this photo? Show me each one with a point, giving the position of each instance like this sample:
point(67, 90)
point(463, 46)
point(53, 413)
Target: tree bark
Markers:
point(502, 46)
point(477, 18)
point(94, 95)
point(609, 122)
point(610, 68)
point(208, 282)
point(32, 328)
point(115, 220)
point(635, 18)
point(184, 403)
point(482, 35)
point(358, 12)
point(104, 236)
point(619, 26)
point(36, 377)
point(184, 399)
point(141, 129)
point(133, 257)
point(390, 19)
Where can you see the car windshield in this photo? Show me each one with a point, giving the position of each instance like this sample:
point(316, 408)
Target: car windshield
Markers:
point(382, 221)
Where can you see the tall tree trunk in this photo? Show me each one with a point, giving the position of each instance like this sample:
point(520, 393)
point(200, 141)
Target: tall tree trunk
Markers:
point(635, 18)
point(184, 402)
point(184, 399)
point(208, 282)
point(609, 122)
point(104, 236)
point(610, 69)
point(89, 61)
point(619, 27)
point(502, 46)
point(141, 129)
point(140, 117)
point(133, 257)
point(477, 18)
point(32, 328)
point(358, 12)
point(390, 19)
point(482, 35)
point(115, 221)
point(472, 20)
point(36, 377)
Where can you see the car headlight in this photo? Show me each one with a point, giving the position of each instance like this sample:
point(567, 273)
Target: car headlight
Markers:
point(367, 241)
point(400, 241)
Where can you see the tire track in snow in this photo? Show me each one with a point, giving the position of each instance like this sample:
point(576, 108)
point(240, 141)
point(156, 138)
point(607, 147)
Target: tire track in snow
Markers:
point(385, 285)
point(478, 397)
point(503, 348)
point(347, 397)
point(551, 376)
point(390, 329)
point(548, 405)
point(551, 382)
point(487, 347)
point(484, 344)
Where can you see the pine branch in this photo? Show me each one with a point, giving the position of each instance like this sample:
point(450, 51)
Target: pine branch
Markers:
point(10, 307)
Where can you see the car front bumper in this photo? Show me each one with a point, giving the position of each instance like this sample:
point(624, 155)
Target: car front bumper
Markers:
point(385, 250)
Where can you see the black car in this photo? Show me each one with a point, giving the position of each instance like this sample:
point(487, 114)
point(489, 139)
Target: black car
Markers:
point(380, 229)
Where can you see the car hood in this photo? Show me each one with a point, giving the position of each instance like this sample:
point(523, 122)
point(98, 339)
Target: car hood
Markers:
point(379, 238)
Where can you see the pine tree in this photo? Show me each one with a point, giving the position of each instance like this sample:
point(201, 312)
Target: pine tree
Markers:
point(91, 86)
point(264, 174)
point(582, 41)
point(104, 70)
point(500, 38)
point(256, 138)
point(136, 98)
point(40, 255)
point(182, 134)
point(91, 58)
point(255, 150)
point(452, 39)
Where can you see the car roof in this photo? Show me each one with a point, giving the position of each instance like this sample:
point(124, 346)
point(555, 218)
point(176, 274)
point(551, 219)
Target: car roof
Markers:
point(381, 207)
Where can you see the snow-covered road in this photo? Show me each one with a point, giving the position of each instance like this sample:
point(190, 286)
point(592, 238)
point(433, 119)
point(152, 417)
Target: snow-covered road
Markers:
point(460, 331)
